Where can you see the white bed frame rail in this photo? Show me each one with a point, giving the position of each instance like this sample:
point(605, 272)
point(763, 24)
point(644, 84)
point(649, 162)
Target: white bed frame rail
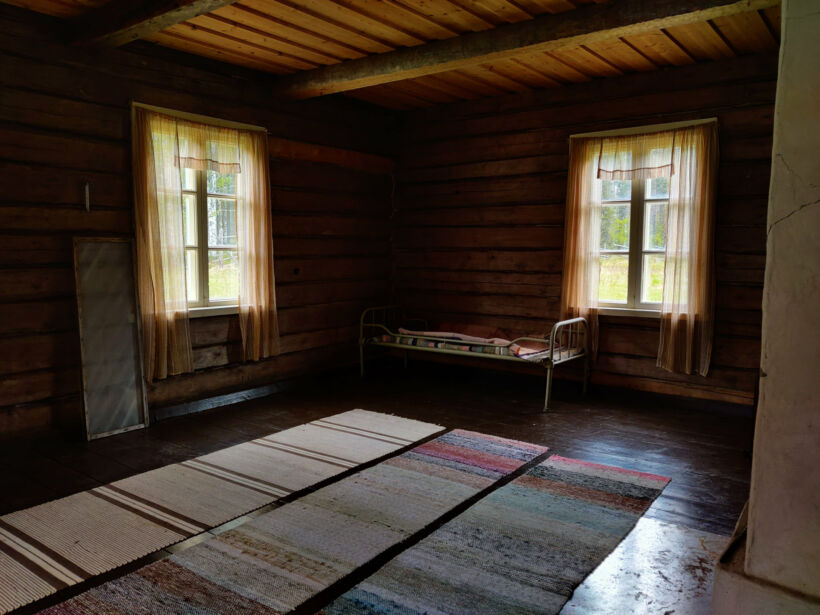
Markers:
point(567, 340)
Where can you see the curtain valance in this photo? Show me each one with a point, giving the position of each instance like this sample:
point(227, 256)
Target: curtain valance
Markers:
point(205, 147)
point(639, 156)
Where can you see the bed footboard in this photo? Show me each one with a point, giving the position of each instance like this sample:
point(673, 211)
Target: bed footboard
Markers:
point(569, 339)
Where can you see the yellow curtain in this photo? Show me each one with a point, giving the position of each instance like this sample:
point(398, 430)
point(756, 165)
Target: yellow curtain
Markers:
point(582, 230)
point(257, 300)
point(160, 246)
point(687, 311)
point(163, 146)
point(689, 157)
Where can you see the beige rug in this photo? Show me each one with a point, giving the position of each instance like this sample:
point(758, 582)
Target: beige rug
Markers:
point(61, 543)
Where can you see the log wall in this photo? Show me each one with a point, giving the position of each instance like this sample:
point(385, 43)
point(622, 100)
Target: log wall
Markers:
point(65, 118)
point(482, 190)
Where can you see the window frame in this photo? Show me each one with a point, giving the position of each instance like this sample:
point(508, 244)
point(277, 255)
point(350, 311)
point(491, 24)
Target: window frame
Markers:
point(204, 306)
point(637, 202)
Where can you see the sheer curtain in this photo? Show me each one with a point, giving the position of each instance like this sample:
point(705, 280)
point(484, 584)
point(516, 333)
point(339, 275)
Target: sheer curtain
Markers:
point(163, 146)
point(257, 301)
point(160, 246)
point(687, 311)
point(688, 156)
point(582, 236)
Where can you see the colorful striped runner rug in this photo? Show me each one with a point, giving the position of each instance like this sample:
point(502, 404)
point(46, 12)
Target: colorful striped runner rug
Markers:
point(286, 556)
point(522, 550)
point(66, 541)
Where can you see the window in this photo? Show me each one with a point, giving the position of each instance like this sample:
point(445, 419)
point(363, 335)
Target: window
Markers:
point(209, 222)
point(633, 242)
point(652, 190)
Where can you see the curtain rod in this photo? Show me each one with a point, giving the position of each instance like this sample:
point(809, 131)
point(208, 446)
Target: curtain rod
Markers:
point(194, 117)
point(636, 130)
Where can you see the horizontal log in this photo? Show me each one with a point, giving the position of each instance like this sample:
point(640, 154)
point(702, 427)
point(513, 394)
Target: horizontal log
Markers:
point(315, 200)
point(35, 419)
point(57, 150)
point(208, 383)
point(461, 303)
point(225, 354)
point(535, 215)
point(537, 284)
point(676, 79)
point(287, 149)
point(27, 387)
point(300, 174)
point(741, 380)
point(497, 168)
point(590, 114)
point(60, 186)
point(532, 261)
point(43, 218)
point(34, 352)
point(25, 284)
point(299, 295)
point(325, 225)
point(63, 114)
point(435, 238)
point(37, 316)
point(324, 316)
point(329, 247)
point(306, 269)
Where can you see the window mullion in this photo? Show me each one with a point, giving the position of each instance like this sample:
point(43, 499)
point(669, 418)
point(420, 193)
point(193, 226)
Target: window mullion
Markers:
point(636, 241)
point(202, 236)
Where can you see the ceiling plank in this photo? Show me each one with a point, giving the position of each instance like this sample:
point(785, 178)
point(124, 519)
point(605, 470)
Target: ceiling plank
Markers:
point(122, 21)
point(587, 24)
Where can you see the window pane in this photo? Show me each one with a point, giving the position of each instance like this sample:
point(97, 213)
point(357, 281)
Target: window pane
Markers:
point(188, 179)
point(221, 184)
point(616, 190)
point(654, 233)
point(652, 278)
point(189, 219)
point(223, 274)
point(657, 188)
point(221, 222)
point(612, 287)
point(615, 227)
point(192, 275)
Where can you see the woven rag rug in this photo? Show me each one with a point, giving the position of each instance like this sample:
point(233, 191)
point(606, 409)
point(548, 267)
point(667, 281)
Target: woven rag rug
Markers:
point(522, 550)
point(286, 556)
point(66, 541)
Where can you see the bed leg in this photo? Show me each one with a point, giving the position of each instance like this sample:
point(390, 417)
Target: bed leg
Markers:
point(405, 359)
point(586, 375)
point(548, 391)
point(361, 360)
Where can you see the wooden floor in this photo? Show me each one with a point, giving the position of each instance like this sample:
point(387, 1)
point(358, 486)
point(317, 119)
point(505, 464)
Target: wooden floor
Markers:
point(707, 453)
point(665, 565)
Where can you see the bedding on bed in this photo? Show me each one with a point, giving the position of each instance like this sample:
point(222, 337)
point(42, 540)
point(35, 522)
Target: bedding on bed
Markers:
point(466, 343)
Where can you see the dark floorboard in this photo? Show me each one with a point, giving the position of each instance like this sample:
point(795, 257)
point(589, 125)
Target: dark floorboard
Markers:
point(704, 450)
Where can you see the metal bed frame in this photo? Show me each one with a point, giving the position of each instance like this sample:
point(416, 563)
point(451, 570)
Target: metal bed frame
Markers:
point(566, 341)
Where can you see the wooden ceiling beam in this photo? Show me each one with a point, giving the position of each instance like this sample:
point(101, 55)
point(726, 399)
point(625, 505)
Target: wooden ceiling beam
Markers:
point(587, 24)
point(122, 21)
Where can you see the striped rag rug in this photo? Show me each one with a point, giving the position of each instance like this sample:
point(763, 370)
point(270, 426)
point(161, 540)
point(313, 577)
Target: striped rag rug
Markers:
point(522, 550)
point(286, 556)
point(66, 541)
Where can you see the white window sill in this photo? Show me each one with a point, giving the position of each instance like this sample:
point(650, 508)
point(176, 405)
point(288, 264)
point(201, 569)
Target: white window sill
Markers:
point(616, 311)
point(213, 310)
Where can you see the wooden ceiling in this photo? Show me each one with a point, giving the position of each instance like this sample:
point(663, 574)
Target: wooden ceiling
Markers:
point(290, 36)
